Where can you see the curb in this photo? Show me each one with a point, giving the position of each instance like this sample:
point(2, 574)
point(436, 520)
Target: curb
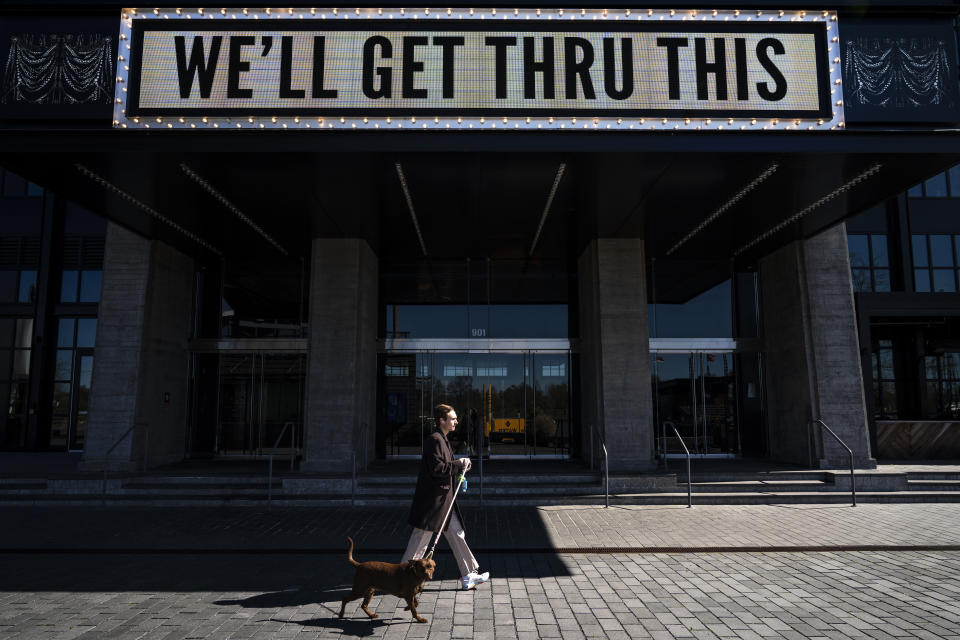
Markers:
point(220, 551)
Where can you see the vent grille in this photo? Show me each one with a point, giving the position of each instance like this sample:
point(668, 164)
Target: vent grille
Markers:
point(9, 251)
point(29, 251)
point(71, 252)
point(93, 248)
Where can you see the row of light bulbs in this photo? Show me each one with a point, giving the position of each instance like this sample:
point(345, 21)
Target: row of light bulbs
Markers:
point(277, 122)
point(676, 14)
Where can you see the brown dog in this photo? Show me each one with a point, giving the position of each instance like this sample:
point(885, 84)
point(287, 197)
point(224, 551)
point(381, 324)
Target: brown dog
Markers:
point(400, 580)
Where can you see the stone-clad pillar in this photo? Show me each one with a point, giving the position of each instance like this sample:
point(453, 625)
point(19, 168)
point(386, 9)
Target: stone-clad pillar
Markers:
point(615, 351)
point(341, 376)
point(812, 355)
point(141, 356)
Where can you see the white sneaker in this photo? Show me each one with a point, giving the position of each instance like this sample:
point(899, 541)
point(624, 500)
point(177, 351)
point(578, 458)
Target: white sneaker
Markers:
point(471, 580)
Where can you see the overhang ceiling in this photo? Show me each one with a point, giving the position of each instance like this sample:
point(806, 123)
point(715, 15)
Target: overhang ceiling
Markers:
point(693, 208)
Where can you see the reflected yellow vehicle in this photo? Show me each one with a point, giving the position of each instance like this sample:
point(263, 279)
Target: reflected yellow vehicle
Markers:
point(500, 429)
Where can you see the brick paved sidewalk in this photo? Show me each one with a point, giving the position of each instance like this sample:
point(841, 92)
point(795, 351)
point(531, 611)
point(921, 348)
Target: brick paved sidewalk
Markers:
point(625, 528)
point(819, 595)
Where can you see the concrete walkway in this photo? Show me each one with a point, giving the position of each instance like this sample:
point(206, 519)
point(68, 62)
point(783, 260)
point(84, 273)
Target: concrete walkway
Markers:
point(618, 528)
point(872, 572)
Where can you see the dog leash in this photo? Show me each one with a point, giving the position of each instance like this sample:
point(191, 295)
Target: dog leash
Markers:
point(435, 539)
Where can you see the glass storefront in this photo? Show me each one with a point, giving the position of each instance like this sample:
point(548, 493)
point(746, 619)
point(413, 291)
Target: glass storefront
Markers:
point(260, 394)
point(509, 404)
point(712, 397)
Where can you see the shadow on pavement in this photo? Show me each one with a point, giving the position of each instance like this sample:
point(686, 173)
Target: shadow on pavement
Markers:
point(280, 579)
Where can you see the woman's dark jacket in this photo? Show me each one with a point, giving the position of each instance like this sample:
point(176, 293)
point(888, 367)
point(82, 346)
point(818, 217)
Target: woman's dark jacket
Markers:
point(436, 485)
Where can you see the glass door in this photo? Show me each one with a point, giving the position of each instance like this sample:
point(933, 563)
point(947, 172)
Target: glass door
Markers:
point(509, 404)
point(551, 404)
point(502, 388)
point(260, 395)
point(696, 393)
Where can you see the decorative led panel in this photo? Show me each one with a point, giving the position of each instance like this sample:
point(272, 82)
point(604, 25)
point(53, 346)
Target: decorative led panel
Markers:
point(463, 69)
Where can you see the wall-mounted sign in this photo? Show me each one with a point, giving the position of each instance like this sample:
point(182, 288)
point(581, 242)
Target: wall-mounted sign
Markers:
point(539, 68)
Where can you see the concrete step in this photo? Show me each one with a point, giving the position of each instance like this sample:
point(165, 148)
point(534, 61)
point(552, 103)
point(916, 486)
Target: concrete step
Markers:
point(757, 486)
point(25, 486)
point(210, 480)
point(934, 485)
point(534, 488)
point(725, 476)
point(488, 479)
point(933, 475)
point(199, 489)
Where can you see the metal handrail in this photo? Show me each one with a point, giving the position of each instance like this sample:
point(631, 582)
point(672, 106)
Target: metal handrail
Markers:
point(106, 457)
point(353, 466)
point(273, 450)
point(606, 474)
point(687, 451)
point(596, 438)
point(853, 479)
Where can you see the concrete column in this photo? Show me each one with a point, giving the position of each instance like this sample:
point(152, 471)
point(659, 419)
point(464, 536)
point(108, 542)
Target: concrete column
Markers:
point(341, 376)
point(615, 351)
point(141, 359)
point(812, 356)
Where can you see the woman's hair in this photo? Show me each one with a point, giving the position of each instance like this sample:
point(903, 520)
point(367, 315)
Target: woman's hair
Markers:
point(440, 412)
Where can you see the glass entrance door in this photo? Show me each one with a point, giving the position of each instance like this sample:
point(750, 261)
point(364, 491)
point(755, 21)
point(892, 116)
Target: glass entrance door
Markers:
point(696, 392)
point(509, 404)
point(260, 394)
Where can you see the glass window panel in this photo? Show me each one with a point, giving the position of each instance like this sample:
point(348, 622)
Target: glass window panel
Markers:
point(889, 401)
point(708, 315)
point(932, 400)
point(79, 432)
point(930, 367)
point(13, 185)
point(34, 190)
point(6, 332)
point(916, 191)
point(61, 397)
point(921, 280)
point(64, 368)
point(428, 321)
point(90, 286)
point(944, 280)
point(920, 251)
point(878, 245)
point(950, 367)
point(886, 364)
point(65, 332)
point(8, 286)
point(881, 280)
point(21, 364)
point(941, 251)
point(861, 279)
point(58, 431)
point(936, 187)
point(24, 333)
point(858, 246)
point(28, 286)
point(18, 398)
point(955, 181)
point(86, 373)
point(68, 286)
point(86, 332)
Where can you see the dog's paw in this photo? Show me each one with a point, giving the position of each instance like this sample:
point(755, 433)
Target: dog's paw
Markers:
point(406, 608)
point(421, 619)
point(373, 615)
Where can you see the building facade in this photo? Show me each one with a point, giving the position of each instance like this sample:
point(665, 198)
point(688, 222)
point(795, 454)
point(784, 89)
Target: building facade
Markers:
point(233, 232)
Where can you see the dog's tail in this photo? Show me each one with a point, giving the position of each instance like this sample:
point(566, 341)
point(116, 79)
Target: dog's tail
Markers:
point(350, 553)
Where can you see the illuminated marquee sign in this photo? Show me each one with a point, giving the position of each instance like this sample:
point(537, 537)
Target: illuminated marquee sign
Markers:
point(312, 68)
